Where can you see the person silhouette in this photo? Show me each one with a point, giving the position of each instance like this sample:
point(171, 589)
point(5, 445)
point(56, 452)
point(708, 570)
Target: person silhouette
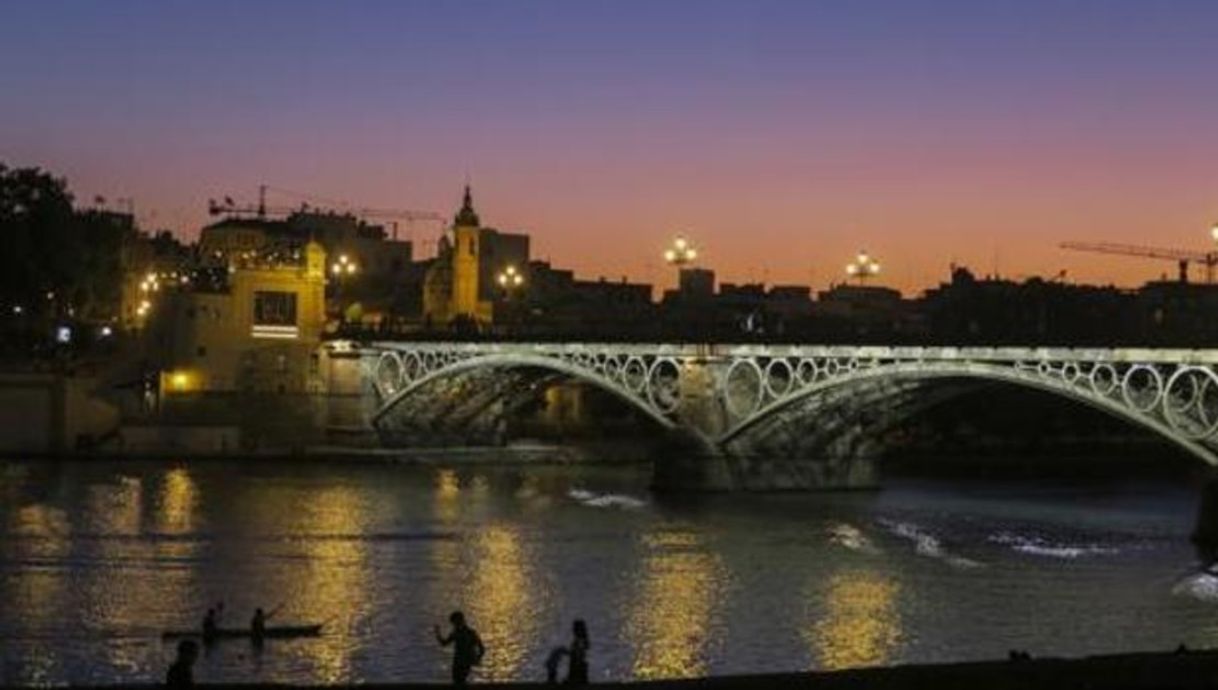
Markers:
point(258, 625)
point(577, 657)
point(181, 672)
point(467, 647)
point(577, 662)
point(209, 626)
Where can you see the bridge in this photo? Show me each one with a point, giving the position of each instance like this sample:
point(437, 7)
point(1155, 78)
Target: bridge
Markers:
point(765, 416)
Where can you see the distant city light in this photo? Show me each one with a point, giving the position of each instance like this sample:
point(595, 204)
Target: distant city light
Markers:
point(63, 334)
point(1214, 231)
point(106, 332)
point(18, 309)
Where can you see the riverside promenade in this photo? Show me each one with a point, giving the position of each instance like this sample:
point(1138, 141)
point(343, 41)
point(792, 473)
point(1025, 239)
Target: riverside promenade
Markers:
point(1185, 670)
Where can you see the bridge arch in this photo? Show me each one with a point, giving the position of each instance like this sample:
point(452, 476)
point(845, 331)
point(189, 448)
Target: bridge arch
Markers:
point(639, 399)
point(1115, 400)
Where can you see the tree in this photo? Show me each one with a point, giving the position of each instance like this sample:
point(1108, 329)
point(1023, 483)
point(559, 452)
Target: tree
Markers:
point(54, 260)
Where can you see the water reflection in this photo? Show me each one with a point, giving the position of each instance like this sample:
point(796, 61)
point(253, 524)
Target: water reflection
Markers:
point(43, 538)
point(500, 596)
point(673, 620)
point(491, 576)
point(860, 624)
point(177, 502)
point(334, 579)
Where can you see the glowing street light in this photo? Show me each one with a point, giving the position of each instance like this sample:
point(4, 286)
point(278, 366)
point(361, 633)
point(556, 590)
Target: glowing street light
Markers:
point(344, 266)
point(681, 253)
point(863, 267)
point(509, 278)
point(1214, 231)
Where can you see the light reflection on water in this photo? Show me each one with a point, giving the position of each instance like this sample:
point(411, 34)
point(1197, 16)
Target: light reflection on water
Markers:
point(860, 625)
point(673, 618)
point(97, 558)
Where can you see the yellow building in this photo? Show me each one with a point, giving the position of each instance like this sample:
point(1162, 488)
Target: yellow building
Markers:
point(256, 330)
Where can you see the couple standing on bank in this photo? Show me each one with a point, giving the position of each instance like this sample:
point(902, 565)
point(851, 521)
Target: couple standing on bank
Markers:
point(468, 651)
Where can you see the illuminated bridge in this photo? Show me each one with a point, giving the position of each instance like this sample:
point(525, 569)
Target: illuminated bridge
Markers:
point(757, 416)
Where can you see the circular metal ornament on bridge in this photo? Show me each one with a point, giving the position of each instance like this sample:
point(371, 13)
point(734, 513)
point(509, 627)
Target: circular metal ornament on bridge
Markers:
point(743, 388)
point(613, 368)
point(1070, 373)
point(664, 385)
point(779, 378)
point(389, 377)
point(634, 375)
point(831, 367)
point(1136, 396)
point(1103, 379)
point(413, 367)
point(1190, 402)
point(431, 362)
point(807, 371)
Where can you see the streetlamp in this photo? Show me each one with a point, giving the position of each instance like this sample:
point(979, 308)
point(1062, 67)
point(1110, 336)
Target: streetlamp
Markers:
point(681, 252)
point(509, 279)
point(345, 266)
point(1214, 231)
point(863, 267)
point(342, 269)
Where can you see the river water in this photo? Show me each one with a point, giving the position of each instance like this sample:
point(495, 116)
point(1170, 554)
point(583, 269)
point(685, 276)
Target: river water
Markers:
point(97, 558)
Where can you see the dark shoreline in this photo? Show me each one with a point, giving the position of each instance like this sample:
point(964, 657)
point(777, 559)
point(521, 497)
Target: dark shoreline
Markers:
point(1135, 671)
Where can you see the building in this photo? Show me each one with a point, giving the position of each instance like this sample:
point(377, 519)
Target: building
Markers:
point(460, 285)
point(373, 264)
point(255, 327)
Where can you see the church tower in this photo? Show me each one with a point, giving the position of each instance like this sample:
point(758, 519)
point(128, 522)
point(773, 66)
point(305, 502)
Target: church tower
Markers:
point(466, 240)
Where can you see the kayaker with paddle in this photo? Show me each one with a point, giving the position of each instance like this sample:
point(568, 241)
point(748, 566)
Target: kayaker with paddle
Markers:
point(258, 624)
point(467, 647)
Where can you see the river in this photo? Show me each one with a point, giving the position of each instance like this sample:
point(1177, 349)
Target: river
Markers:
point(96, 558)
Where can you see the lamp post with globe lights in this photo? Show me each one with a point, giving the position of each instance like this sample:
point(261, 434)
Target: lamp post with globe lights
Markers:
point(863, 268)
point(681, 253)
point(343, 269)
point(510, 280)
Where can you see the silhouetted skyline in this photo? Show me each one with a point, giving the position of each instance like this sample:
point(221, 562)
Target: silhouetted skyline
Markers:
point(783, 137)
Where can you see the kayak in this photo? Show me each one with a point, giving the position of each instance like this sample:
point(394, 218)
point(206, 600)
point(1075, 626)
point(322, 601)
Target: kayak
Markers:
point(275, 632)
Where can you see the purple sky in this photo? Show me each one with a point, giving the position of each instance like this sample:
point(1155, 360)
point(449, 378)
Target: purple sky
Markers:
point(781, 136)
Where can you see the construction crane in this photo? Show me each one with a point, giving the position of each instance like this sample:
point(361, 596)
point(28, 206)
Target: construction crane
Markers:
point(1182, 257)
point(228, 206)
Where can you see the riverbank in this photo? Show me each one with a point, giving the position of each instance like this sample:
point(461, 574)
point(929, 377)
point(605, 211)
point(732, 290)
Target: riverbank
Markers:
point(1185, 670)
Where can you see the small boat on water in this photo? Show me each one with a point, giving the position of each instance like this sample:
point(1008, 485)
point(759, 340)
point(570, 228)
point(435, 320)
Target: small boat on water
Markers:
point(278, 632)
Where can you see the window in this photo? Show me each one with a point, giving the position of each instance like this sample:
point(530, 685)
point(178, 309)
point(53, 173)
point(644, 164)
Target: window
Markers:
point(201, 351)
point(274, 308)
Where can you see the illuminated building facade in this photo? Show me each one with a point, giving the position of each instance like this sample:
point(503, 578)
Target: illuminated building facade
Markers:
point(254, 328)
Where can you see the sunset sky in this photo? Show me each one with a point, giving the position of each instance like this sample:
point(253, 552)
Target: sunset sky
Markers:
point(781, 136)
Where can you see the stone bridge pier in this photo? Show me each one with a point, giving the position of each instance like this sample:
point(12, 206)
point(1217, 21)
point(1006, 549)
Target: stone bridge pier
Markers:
point(761, 417)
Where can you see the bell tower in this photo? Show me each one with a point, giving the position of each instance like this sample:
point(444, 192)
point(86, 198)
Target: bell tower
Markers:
point(466, 240)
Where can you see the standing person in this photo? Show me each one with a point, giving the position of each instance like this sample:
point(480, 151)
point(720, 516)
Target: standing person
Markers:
point(258, 625)
point(577, 663)
point(577, 657)
point(467, 647)
point(209, 626)
point(181, 672)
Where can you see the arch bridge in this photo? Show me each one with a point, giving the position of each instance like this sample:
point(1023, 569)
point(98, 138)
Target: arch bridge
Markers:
point(765, 416)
